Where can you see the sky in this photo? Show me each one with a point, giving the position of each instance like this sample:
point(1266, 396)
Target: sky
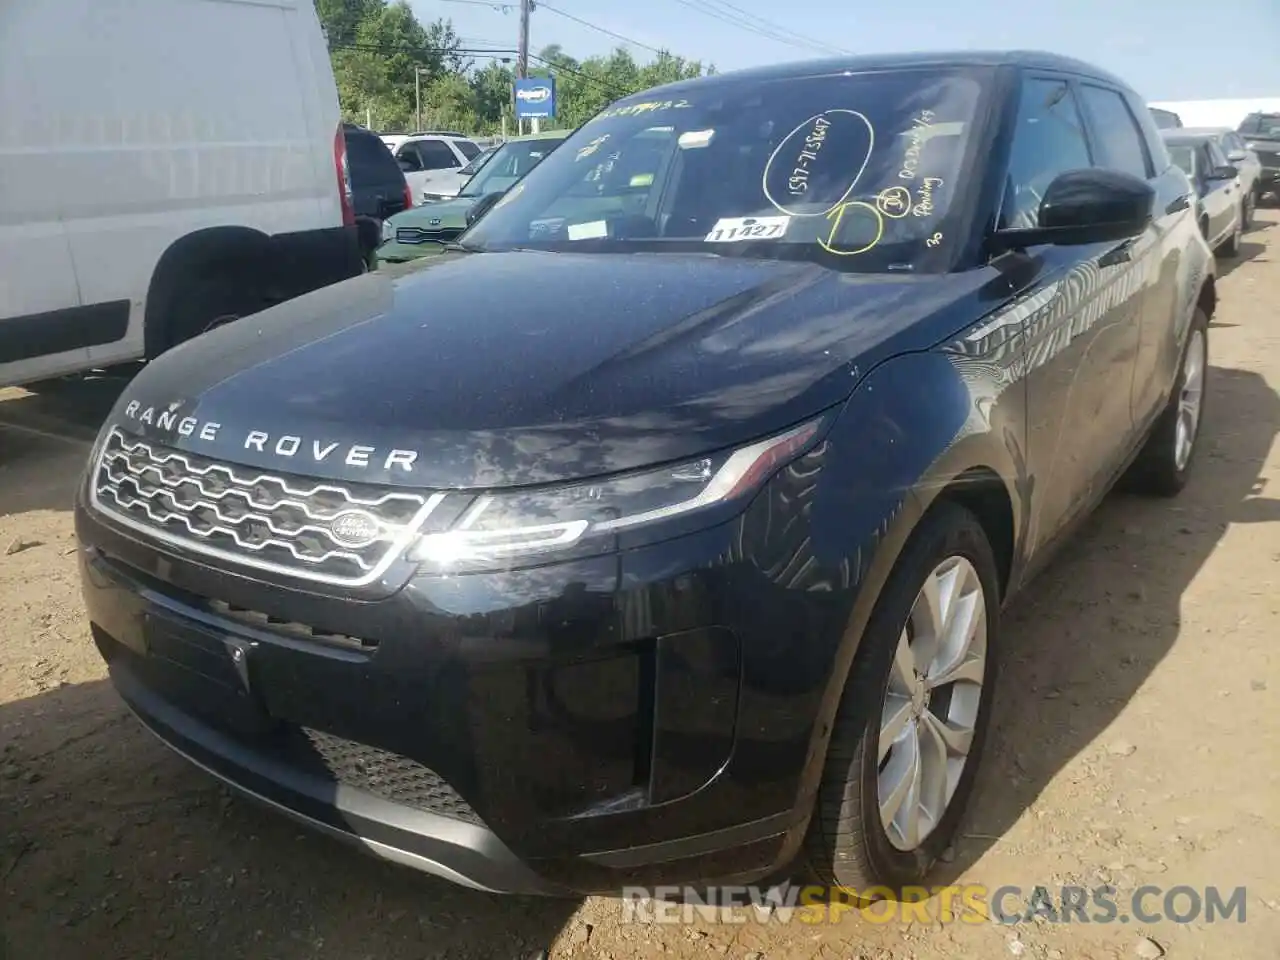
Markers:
point(1166, 49)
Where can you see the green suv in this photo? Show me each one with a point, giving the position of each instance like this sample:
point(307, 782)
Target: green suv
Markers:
point(421, 231)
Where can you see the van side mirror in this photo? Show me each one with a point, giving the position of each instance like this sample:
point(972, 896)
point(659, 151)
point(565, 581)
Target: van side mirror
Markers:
point(1237, 156)
point(1085, 206)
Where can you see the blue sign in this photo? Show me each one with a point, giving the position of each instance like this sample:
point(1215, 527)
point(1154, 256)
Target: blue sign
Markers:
point(535, 97)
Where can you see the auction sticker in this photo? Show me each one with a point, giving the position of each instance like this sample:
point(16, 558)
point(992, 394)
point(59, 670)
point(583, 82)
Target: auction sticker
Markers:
point(729, 229)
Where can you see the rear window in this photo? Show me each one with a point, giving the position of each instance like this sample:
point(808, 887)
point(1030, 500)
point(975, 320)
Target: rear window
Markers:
point(369, 158)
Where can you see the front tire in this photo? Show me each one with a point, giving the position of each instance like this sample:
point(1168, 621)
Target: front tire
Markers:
point(914, 714)
point(1165, 462)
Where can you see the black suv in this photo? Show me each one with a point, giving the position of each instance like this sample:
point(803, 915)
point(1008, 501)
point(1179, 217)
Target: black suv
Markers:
point(659, 531)
point(378, 187)
point(1261, 132)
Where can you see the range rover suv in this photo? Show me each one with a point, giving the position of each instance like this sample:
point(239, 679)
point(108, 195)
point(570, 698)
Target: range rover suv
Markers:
point(659, 530)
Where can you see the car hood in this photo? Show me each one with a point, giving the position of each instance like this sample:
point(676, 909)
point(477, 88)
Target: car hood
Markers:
point(448, 213)
point(497, 369)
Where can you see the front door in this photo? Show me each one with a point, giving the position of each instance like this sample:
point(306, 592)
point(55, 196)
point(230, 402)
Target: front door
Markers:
point(1082, 340)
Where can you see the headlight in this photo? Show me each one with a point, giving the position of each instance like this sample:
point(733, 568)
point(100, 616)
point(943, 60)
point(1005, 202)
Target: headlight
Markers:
point(388, 231)
point(508, 527)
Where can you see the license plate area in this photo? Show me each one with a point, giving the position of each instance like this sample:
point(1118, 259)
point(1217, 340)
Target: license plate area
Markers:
point(205, 673)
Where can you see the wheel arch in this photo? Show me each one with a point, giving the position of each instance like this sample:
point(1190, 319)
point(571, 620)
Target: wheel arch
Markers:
point(978, 463)
point(240, 248)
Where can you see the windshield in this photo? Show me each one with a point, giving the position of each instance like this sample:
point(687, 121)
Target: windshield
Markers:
point(474, 166)
point(1184, 158)
point(856, 171)
point(1165, 119)
point(1262, 125)
point(509, 163)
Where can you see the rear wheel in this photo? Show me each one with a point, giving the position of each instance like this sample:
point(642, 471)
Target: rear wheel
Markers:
point(1231, 246)
point(899, 772)
point(1165, 461)
point(209, 301)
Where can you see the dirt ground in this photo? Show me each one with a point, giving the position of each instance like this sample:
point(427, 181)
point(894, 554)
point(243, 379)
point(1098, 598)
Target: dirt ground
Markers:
point(1137, 742)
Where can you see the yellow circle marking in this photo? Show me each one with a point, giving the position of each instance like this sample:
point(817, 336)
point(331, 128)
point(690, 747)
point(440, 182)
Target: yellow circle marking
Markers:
point(836, 215)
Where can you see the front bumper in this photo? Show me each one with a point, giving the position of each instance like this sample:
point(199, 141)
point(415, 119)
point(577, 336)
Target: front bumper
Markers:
point(642, 718)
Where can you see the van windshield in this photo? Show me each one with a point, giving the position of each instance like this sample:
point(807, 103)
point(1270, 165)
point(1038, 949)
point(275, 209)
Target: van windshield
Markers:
point(856, 171)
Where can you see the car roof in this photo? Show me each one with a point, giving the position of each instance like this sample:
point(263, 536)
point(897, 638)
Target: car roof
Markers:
point(799, 69)
point(1187, 136)
point(1204, 131)
point(432, 136)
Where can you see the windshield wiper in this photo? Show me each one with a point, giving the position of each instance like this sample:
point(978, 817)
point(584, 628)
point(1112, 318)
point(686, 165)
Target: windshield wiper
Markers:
point(455, 247)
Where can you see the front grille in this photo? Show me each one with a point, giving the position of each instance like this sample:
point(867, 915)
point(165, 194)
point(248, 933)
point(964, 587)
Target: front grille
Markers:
point(389, 776)
point(327, 532)
point(426, 235)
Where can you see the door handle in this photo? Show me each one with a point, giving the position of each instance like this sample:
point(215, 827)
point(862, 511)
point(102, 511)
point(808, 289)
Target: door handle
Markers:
point(1179, 204)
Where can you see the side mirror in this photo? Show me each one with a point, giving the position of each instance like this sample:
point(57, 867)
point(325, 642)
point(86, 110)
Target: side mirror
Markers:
point(1223, 173)
point(482, 206)
point(1086, 206)
point(1237, 156)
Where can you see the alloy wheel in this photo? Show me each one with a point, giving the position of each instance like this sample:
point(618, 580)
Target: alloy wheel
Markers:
point(931, 703)
point(1190, 400)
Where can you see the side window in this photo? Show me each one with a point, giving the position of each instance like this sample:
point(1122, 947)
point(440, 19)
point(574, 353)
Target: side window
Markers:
point(409, 157)
point(436, 155)
point(1231, 143)
point(1216, 157)
point(1120, 144)
point(468, 149)
point(1048, 140)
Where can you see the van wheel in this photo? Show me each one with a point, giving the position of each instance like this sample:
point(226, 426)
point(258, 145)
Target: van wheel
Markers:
point(209, 302)
point(913, 718)
point(1165, 461)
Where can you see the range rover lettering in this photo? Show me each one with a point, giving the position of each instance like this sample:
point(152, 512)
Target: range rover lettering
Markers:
point(659, 529)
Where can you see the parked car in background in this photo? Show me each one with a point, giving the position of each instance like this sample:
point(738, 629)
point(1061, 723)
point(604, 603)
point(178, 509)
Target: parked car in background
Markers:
point(152, 188)
point(1165, 119)
point(661, 533)
point(446, 184)
point(427, 160)
point(378, 187)
point(1261, 132)
point(1233, 147)
point(422, 231)
point(1221, 201)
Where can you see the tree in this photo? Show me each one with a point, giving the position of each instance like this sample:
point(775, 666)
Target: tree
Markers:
point(379, 50)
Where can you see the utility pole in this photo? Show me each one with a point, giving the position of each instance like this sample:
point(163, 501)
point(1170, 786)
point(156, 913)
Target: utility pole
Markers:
point(417, 99)
point(522, 50)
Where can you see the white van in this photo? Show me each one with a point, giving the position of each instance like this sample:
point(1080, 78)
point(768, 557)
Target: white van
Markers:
point(165, 166)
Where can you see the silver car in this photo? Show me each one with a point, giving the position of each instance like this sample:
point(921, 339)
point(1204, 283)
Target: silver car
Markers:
point(1239, 155)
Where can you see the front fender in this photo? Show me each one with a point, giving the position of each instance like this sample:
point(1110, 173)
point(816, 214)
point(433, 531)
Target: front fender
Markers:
point(918, 426)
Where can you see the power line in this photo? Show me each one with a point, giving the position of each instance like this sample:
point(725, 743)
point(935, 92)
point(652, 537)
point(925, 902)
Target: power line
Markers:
point(612, 91)
point(494, 4)
point(737, 17)
point(610, 33)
